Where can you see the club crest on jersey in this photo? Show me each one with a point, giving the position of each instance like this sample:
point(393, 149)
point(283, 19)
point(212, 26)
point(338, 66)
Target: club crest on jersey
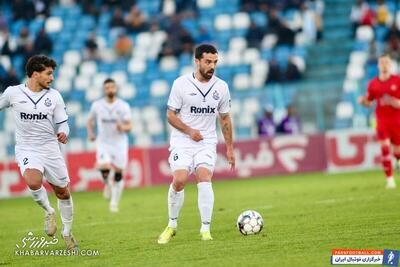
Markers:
point(393, 87)
point(47, 102)
point(215, 95)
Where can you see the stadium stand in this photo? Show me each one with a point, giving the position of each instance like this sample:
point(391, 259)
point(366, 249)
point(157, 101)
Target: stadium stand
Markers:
point(257, 41)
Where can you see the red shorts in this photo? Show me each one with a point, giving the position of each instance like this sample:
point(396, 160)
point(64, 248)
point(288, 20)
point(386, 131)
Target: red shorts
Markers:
point(391, 132)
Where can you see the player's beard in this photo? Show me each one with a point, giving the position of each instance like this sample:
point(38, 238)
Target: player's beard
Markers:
point(111, 95)
point(44, 85)
point(207, 74)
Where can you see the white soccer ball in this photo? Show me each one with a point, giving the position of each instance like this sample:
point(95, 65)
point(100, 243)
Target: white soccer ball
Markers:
point(250, 222)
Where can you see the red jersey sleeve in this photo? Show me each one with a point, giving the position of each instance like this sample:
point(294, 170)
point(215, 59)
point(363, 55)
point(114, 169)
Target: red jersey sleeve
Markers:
point(370, 91)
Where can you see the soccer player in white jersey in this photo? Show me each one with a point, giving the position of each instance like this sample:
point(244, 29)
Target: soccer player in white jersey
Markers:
point(113, 119)
point(195, 102)
point(41, 124)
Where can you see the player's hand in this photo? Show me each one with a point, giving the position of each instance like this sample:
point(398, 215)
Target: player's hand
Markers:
point(92, 137)
point(195, 135)
point(395, 102)
point(62, 138)
point(120, 127)
point(230, 155)
point(362, 100)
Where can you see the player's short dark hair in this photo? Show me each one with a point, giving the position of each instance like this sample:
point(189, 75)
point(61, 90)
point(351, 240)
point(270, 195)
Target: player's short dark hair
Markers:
point(108, 80)
point(204, 48)
point(39, 63)
point(385, 55)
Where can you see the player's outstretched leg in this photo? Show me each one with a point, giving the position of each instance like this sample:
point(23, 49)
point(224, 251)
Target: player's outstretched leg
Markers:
point(206, 204)
point(175, 203)
point(387, 166)
point(116, 192)
point(107, 187)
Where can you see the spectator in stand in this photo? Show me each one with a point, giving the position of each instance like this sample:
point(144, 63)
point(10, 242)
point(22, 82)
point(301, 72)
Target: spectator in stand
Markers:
point(3, 23)
point(43, 44)
point(358, 12)
point(382, 13)
point(9, 45)
point(91, 48)
point(254, 35)
point(369, 18)
point(117, 19)
point(42, 7)
point(135, 21)
point(291, 123)
point(274, 23)
point(309, 22)
point(292, 72)
point(117, 24)
point(88, 7)
point(23, 40)
point(10, 79)
point(274, 74)
point(203, 36)
point(285, 34)
point(123, 46)
point(392, 42)
point(266, 125)
point(187, 41)
point(23, 9)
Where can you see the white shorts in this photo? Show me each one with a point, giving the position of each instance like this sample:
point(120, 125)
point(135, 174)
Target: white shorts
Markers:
point(116, 155)
point(50, 163)
point(191, 158)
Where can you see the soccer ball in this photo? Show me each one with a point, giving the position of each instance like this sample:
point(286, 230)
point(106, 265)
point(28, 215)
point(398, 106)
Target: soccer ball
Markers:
point(250, 222)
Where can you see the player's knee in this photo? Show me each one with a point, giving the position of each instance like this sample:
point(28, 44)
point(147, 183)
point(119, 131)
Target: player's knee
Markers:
point(178, 185)
point(105, 173)
point(62, 194)
point(385, 151)
point(118, 176)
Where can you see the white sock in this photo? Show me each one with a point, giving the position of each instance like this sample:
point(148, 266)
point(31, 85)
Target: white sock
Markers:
point(206, 204)
point(175, 203)
point(66, 208)
point(389, 178)
point(40, 197)
point(116, 192)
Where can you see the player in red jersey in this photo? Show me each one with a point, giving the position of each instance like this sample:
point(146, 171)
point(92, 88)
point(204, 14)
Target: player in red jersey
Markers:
point(385, 90)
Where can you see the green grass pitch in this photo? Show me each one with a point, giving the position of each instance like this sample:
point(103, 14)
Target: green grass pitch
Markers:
point(305, 216)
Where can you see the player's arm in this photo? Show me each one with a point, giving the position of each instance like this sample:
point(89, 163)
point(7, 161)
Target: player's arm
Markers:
point(90, 129)
point(177, 123)
point(90, 123)
point(61, 121)
point(5, 99)
point(363, 100)
point(124, 126)
point(368, 99)
point(226, 128)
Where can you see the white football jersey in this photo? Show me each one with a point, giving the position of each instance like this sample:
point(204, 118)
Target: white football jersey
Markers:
point(198, 105)
point(107, 115)
point(36, 114)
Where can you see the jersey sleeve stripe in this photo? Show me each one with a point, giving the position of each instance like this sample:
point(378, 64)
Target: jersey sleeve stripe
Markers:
point(172, 108)
point(61, 121)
